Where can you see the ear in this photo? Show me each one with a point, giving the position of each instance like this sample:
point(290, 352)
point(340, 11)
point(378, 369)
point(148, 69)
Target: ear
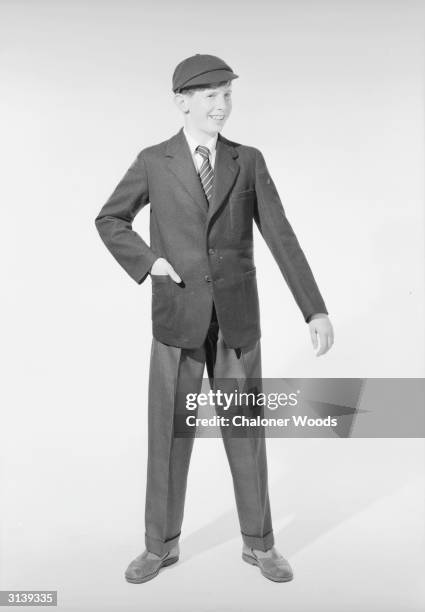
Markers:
point(181, 102)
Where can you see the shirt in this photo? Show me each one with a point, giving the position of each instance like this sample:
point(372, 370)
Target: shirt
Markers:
point(197, 157)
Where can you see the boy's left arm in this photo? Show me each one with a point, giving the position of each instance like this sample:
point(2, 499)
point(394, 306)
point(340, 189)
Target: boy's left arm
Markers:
point(280, 238)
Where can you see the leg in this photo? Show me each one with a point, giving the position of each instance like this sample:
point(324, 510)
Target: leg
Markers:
point(248, 463)
point(173, 372)
point(247, 454)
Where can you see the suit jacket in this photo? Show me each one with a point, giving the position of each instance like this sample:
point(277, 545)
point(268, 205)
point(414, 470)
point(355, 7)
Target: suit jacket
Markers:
point(211, 248)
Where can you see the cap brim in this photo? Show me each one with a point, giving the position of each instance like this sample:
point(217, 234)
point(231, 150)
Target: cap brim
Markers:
point(214, 76)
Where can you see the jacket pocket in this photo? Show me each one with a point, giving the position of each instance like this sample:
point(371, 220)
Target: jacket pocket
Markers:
point(163, 307)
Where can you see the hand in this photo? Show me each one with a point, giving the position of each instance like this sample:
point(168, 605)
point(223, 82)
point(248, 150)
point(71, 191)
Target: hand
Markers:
point(321, 326)
point(161, 267)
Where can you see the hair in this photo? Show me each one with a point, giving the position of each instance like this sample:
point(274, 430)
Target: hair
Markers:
point(191, 90)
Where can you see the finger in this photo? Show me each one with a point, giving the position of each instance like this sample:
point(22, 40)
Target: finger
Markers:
point(176, 278)
point(327, 343)
point(313, 335)
point(329, 338)
point(323, 345)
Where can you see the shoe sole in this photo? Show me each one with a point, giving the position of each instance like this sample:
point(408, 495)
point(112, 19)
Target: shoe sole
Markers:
point(252, 561)
point(154, 574)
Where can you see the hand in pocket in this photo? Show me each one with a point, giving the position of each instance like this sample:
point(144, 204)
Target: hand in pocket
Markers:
point(161, 267)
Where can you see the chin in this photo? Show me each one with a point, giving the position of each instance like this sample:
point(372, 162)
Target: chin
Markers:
point(215, 130)
point(212, 132)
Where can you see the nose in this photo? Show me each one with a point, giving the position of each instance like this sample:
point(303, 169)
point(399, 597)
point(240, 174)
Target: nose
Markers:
point(222, 103)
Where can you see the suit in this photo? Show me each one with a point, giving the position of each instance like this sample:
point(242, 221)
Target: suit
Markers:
point(211, 248)
point(211, 318)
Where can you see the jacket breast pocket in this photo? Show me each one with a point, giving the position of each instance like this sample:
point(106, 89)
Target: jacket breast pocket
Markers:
point(163, 306)
point(242, 194)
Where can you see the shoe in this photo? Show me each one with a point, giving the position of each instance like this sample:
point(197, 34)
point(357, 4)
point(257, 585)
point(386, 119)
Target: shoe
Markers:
point(142, 569)
point(274, 568)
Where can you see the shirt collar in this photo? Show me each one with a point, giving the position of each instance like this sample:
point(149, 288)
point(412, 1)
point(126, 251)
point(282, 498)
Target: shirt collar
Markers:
point(211, 144)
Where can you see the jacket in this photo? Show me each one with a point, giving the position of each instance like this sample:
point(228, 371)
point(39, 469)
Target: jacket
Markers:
point(211, 248)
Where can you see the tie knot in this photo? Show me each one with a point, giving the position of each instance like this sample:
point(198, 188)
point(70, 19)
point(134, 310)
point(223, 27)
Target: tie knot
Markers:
point(204, 151)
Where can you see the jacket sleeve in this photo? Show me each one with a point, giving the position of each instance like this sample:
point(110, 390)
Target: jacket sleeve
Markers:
point(114, 222)
point(280, 238)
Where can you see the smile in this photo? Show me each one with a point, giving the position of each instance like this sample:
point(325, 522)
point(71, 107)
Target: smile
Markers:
point(219, 117)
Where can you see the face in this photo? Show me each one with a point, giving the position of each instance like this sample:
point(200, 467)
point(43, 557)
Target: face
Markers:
point(208, 109)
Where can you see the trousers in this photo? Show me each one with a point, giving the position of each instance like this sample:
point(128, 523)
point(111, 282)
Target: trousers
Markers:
point(174, 372)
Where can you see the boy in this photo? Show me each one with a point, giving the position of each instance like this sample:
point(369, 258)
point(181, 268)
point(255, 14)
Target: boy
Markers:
point(204, 192)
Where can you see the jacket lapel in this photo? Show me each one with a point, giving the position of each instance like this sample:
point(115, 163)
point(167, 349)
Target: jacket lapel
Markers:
point(226, 169)
point(181, 165)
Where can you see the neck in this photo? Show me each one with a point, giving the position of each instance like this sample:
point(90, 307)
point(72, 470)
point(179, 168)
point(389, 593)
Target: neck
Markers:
point(200, 136)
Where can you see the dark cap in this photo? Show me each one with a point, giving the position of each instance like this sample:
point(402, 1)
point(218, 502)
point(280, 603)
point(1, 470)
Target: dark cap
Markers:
point(201, 70)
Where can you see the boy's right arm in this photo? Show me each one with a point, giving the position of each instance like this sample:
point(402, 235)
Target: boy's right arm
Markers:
point(114, 222)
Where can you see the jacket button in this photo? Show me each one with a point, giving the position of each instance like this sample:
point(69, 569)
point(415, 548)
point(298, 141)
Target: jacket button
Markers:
point(207, 278)
point(211, 251)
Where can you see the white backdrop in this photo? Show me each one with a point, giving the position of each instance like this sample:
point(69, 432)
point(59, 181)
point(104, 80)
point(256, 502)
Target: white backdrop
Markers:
point(332, 94)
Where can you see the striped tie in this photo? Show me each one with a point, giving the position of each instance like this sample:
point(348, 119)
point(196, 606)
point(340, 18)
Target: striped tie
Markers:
point(206, 173)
